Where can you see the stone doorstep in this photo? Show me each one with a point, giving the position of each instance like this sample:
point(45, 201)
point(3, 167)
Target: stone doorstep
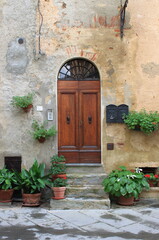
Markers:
point(85, 192)
point(80, 203)
point(86, 179)
point(8, 204)
point(152, 193)
point(85, 169)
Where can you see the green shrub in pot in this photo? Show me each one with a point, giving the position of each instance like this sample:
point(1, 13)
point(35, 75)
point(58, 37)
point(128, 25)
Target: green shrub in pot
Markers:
point(122, 182)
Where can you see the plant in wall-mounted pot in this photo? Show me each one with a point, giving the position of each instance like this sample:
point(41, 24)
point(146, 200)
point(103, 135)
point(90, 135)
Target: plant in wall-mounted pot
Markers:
point(59, 188)
point(31, 182)
point(125, 185)
point(41, 133)
point(146, 122)
point(24, 102)
point(7, 184)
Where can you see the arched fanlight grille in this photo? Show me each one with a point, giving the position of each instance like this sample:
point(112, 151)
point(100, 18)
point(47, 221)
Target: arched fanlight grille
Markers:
point(78, 69)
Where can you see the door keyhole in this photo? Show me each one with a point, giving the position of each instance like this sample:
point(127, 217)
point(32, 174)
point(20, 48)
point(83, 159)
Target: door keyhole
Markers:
point(68, 119)
point(89, 119)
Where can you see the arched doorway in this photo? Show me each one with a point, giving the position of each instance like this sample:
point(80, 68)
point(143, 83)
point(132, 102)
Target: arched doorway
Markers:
point(79, 112)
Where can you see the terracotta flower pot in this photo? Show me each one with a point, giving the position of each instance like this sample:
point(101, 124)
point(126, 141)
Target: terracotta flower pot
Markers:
point(62, 175)
point(42, 139)
point(27, 109)
point(59, 192)
point(6, 195)
point(31, 199)
point(151, 183)
point(125, 201)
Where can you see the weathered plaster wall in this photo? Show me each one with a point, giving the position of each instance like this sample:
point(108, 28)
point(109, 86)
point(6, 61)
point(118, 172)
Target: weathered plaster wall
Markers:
point(129, 70)
point(141, 75)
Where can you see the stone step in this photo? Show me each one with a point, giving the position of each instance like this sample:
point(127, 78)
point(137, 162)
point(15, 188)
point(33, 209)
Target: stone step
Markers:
point(80, 203)
point(87, 179)
point(84, 168)
point(152, 193)
point(86, 192)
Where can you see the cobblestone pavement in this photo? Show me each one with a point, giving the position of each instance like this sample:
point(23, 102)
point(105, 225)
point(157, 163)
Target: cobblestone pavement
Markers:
point(136, 222)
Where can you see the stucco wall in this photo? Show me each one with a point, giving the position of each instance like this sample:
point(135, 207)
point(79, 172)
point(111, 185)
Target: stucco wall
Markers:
point(129, 71)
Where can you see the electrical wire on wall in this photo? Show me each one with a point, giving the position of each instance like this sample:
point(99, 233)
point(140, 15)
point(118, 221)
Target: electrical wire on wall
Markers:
point(40, 27)
point(122, 17)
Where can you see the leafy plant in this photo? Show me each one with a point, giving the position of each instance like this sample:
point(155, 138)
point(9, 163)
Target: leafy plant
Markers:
point(7, 179)
point(22, 101)
point(59, 182)
point(58, 159)
point(57, 168)
point(148, 122)
point(122, 182)
point(152, 177)
point(34, 179)
point(40, 131)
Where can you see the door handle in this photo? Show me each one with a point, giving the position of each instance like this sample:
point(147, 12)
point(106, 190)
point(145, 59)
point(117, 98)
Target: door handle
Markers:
point(68, 119)
point(89, 119)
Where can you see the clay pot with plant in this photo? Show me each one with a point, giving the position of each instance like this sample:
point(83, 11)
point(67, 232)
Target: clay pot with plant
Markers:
point(152, 179)
point(58, 167)
point(41, 132)
point(59, 188)
point(31, 182)
point(125, 185)
point(24, 102)
point(8, 183)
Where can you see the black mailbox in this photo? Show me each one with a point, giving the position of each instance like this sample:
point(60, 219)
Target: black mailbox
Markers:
point(114, 114)
point(122, 110)
point(111, 113)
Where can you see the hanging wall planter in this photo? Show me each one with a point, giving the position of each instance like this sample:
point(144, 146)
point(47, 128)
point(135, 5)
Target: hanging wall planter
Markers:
point(23, 102)
point(28, 108)
point(41, 133)
point(147, 122)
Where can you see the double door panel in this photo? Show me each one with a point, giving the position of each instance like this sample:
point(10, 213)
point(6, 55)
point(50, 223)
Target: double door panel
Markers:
point(79, 121)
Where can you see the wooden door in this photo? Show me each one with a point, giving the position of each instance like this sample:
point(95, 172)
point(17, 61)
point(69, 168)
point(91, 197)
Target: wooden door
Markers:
point(79, 121)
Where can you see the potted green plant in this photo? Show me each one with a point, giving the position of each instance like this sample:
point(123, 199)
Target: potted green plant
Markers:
point(58, 170)
point(146, 122)
point(41, 133)
point(58, 167)
point(31, 182)
point(24, 102)
point(7, 184)
point(58, 159)
point(125, 185)
point(59, 188)
point(152, 179)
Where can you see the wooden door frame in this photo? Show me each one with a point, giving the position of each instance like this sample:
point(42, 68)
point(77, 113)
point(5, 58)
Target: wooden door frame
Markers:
point(100, 110)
